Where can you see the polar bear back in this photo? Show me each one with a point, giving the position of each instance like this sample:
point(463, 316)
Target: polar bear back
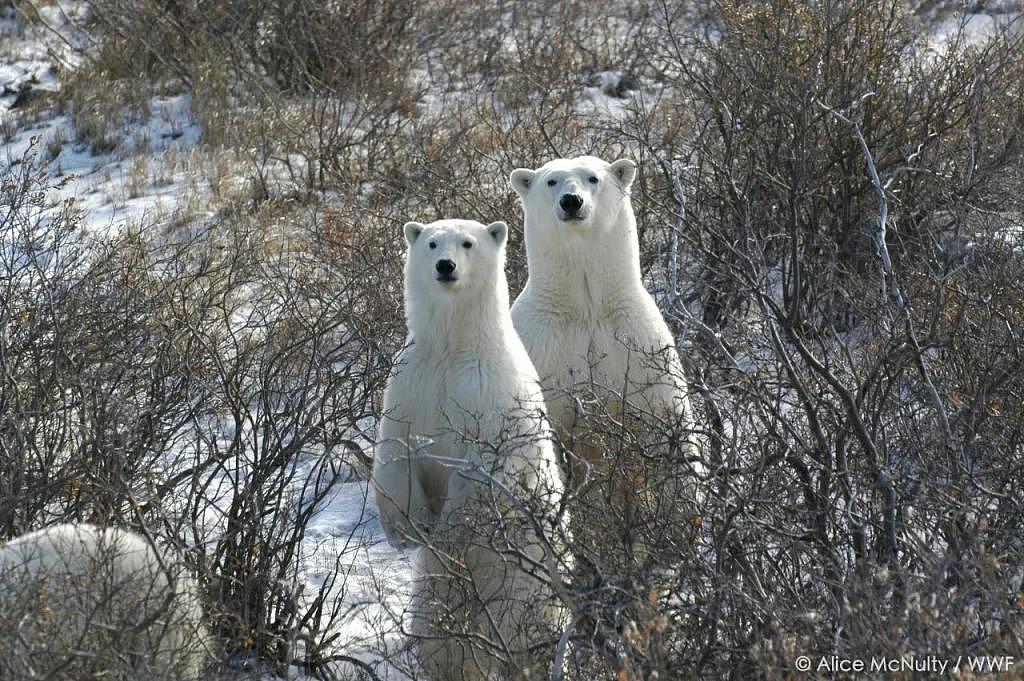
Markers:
point(90, 601)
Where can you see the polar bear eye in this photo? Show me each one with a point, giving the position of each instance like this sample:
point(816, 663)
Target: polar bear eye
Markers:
point(433, 245)
point(593, 180)
point(467, 244)
point(551, 183)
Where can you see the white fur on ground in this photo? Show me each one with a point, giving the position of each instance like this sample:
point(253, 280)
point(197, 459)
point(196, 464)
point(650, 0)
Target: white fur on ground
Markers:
point(82, 602)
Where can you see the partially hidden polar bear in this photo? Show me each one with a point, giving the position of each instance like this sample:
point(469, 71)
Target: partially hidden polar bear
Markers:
point(465, 468)
point(584, 315)
point(82, 602)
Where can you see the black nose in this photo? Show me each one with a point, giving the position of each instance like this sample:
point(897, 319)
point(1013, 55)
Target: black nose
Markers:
point(570, 203)
point(445, 267)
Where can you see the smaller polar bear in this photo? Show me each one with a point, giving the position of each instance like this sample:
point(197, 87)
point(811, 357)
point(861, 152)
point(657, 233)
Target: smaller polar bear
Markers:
point(464, 466)
point(584, 315)
point(81, 602)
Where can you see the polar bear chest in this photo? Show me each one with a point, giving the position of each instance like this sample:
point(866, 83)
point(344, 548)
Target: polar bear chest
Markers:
point(456, 400)
point(570, 352)
point(622, 350)
point(590, 353)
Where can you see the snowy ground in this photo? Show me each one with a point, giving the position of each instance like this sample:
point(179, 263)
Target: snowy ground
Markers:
point(144, 178)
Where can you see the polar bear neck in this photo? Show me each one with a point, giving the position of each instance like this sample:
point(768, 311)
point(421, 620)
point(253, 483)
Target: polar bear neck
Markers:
point(460, 321)
point(586, 273)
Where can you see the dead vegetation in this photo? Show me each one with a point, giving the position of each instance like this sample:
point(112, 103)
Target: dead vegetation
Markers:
point(861, 422)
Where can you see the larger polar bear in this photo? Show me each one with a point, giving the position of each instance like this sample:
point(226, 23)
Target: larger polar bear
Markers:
point(464, 466)
point(584, 315)
point(81, 602)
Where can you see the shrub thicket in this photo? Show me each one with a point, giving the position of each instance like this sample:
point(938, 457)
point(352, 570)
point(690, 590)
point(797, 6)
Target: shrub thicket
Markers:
point(857, 381)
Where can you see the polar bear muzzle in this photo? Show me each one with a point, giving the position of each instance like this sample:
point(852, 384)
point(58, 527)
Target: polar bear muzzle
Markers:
point(445, 270)
point(571, 206)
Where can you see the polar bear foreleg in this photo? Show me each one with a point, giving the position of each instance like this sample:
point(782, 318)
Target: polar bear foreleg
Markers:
point(404, 507)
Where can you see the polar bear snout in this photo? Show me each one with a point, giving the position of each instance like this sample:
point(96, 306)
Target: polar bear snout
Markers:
point(571, 205)
point(445, 270)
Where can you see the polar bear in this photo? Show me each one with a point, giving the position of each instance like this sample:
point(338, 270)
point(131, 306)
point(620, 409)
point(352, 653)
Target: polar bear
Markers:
point(464, 467)
point(83, 602)
point(584, 315)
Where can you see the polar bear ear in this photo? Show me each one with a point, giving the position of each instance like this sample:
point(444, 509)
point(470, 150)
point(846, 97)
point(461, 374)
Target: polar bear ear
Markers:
point(624, 170)
point(412, 232)
point(521, 180)
point(498, 231)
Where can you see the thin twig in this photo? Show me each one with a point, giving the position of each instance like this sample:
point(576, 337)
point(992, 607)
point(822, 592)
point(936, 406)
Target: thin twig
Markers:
point(881, 249)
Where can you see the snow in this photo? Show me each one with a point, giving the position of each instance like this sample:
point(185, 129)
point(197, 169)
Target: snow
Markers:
point(609, 96)
point(113, 189)
point(346, 540)
point(25, 60)
point(138, 182)
point(974, 29)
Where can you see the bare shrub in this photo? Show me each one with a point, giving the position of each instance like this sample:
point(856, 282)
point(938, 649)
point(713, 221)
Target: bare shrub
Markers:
point(849, 511)
point(939, 140)
point(295, 361)
point(299, 382)
point(864, 446)
point(214, 388)
point(43, 263)
point(96, 387)
point(297, 45)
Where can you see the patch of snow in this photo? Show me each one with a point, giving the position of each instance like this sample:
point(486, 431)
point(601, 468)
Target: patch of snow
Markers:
point(118, 188)
point(973, 29)
point(28, 50)
point(372, 579)
point(610, 95)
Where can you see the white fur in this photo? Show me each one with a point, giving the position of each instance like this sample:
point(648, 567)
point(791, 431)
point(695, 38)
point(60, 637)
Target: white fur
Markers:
point(584, 316)
point(464, 389)
point(98, 599)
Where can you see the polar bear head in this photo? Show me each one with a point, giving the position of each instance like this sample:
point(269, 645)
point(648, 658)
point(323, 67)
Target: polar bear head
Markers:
point(453, 261)
point(575, 194)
